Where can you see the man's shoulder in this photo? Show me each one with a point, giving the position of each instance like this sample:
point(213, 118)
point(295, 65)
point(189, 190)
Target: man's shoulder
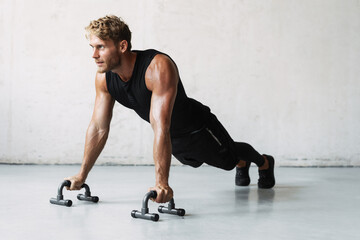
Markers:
point(161, 72)
point(160, 62)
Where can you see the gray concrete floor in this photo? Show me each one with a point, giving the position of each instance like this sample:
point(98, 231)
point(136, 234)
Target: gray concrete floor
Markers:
point(306, 203)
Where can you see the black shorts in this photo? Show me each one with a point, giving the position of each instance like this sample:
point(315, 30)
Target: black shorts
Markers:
point(211, 144)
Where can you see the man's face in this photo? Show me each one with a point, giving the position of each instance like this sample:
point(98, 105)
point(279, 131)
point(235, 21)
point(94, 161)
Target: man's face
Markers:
point(105, 54)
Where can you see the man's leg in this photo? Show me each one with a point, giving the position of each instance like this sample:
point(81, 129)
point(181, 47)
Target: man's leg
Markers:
point(214, 146)
point(247, 154)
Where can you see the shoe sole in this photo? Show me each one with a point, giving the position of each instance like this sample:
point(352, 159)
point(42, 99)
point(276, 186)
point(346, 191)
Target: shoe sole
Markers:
point(242, 182)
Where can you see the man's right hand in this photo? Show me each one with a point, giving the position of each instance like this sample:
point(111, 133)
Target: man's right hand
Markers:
point(76, 182)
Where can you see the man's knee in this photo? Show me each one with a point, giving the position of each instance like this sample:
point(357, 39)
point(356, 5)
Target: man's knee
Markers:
point(227, 161)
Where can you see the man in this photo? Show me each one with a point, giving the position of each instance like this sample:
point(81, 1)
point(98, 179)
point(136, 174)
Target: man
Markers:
point(148, 82)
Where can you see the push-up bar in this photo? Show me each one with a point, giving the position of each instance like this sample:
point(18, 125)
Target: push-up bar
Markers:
point(144, 213)
point(59, 200)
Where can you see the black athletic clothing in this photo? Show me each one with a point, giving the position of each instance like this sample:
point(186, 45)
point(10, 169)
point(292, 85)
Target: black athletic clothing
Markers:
point(197, 136)
point(213, 145)
point(188, 115)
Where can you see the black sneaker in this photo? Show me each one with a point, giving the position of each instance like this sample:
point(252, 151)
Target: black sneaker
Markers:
point(242, 177)
point(266, 177)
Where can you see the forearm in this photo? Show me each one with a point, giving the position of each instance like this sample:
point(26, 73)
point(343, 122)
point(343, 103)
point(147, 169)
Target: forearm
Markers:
point(162, 157)
point(94, 144)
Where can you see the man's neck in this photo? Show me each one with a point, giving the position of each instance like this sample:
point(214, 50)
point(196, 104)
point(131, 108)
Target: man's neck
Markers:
point(126, 67)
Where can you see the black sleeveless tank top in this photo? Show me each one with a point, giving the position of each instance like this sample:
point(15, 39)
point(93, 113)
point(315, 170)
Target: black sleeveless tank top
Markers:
point(188, 114)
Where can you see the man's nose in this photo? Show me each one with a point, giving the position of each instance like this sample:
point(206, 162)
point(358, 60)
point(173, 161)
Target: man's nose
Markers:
point(95, 53)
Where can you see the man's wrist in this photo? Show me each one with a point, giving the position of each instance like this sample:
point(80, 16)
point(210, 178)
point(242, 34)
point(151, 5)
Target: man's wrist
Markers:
point(162, 184)
point(82, 176)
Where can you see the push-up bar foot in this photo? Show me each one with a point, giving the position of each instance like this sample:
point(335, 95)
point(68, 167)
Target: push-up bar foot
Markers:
point(170, 209)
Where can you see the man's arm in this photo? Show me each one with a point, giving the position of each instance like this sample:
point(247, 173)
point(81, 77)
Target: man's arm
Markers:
point(162, 79)
point(97, 131)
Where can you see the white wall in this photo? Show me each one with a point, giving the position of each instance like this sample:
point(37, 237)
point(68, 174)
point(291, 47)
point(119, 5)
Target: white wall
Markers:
point(281, 75)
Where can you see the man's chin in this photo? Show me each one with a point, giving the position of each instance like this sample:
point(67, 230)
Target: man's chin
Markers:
point(102, 70)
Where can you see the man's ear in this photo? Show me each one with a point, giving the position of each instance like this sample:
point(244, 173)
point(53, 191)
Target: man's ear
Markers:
point(123, 46)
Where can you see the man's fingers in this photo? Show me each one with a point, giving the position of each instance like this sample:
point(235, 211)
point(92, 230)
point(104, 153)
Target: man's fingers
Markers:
point(163, 194)
point(74, 184)
point(160, 196)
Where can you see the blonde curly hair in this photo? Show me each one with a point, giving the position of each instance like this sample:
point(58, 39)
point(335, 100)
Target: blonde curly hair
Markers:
point(110, 27)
